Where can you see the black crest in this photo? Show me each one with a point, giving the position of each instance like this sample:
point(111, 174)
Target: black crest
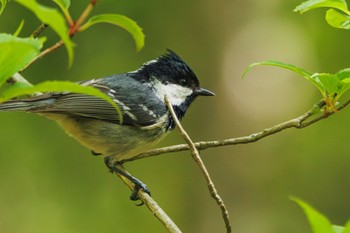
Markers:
point(169, 68)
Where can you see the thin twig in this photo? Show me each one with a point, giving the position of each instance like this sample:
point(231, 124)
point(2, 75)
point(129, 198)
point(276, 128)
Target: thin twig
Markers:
point(153, 206)
point(74, 28)
point(39, 30)
point(198, 160)
point(302, 121)
point(43, 53)
point(82, 18)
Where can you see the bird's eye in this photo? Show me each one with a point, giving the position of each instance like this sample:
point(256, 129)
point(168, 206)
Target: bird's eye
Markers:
point(183, 82)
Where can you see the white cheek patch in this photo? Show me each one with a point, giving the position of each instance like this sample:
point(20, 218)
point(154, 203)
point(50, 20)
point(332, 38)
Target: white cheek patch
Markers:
point(175, 93)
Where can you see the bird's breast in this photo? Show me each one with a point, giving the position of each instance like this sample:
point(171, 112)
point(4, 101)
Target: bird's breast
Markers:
point(110, 139)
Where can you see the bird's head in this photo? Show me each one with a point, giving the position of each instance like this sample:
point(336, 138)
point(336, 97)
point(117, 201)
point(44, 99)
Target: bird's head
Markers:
point(169, 75)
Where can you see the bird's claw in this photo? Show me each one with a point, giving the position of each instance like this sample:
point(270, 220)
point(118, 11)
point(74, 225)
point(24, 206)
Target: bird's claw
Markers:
point(138, 184)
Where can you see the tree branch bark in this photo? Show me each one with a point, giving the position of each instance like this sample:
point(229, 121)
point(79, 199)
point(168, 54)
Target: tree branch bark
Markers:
point(152, 205)
point(308, 118)
point(195, 155)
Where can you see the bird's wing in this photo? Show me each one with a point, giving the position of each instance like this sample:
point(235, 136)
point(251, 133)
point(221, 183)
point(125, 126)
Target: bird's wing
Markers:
point(135, 111)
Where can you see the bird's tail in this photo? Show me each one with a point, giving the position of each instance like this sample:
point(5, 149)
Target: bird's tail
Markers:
point(26, 105)
point(15, 105)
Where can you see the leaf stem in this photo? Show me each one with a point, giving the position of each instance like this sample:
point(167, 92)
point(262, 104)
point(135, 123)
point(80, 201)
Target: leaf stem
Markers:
point(74, 28)
point(69, 18)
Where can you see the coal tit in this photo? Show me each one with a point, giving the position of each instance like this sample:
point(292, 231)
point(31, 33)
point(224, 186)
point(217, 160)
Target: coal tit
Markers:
point(140, 96)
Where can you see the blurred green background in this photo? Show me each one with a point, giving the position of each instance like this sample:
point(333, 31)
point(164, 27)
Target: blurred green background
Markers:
point(49, 183)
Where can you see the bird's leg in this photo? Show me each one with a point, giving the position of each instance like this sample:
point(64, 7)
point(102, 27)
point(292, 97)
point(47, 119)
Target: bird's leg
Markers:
point(113, 167)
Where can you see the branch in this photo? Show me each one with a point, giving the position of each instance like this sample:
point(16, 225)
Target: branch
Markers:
point(198, 160)
point(43, 53)
point(39, 30)
point(74, 28)
point(304, 120)
point(151, 205)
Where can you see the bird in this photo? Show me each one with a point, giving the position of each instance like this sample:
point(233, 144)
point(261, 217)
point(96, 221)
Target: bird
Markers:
point(144, 120)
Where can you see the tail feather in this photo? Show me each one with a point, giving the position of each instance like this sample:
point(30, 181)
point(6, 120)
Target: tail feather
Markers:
point(15, 106)
point(26, 105)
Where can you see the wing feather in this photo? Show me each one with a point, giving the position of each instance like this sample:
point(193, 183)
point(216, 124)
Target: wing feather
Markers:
point(135, 111)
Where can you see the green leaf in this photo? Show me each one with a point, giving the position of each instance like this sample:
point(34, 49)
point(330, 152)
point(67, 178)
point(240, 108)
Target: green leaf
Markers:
point(19, 29)
point(347, 227)
point(306, 74)
point(331, 86)
point(54, 19)
point(338, 229)
point(313, 4)
point(63, 4)
point(3, 4)
point(343, 74)
point(337, 19)
point(293, 68)
point(344, 78)
point(19, 82)
point(319, 223)
point(328, 82)
point(16, 53)
point(122, 21)
point(59, 86)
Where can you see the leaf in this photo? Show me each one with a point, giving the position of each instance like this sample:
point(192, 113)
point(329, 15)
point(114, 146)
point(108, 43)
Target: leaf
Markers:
point(344, 77)
point(293, 68)
point(20, 81)
point(346, 80)
point(54, 19)
point(338, 229)
point(329, 83)
point(19, 29)
point(3, 4)
point(331, 86)
point(313, 4)
point(319, 223)
point(347, 227)
point(59, 86)
point(122, 21)
point(16, 53)
point(343, 74)
point(337, 19)
point(63, 4)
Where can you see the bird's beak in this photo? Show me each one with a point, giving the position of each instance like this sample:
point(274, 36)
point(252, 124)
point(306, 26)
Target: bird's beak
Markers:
point(204, 92)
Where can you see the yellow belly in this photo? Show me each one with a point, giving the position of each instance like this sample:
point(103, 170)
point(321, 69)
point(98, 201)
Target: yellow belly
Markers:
point(110, 139)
